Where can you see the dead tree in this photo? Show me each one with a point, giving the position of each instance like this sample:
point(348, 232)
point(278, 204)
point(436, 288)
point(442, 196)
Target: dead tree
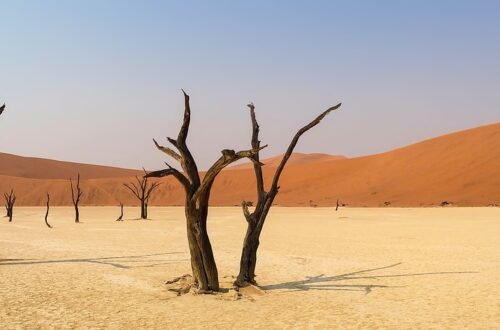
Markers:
point(205, 276)
point(10, 199)
point(142, 190)
point(75, 197)
point(120, 218)
point(256, 219)
point(47, 213)
point(337, 207)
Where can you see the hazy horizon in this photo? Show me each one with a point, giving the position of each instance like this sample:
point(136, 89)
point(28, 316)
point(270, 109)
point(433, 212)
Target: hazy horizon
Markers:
point(94, 82)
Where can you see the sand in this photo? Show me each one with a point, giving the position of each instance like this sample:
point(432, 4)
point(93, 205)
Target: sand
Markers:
point(428, 268)
point(462, 168)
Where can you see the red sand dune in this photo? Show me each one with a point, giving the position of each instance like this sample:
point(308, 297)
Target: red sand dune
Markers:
point(39, 168)
point(462, 168)
point(296, 159)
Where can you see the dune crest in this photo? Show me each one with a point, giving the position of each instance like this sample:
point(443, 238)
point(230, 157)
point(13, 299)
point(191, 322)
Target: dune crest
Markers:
point(461, 168)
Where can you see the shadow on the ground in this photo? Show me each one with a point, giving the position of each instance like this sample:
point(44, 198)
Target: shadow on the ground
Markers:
point(322, 282)
point(118, 262)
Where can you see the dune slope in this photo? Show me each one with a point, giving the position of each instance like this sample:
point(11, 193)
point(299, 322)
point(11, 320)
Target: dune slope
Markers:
point(461, 168)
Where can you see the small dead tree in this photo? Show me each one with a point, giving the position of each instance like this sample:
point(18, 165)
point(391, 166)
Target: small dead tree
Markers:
point(337, 207)
point(120, 218)
point(142, 191)
point(255, 220)
point(47, 213)
point(76, 194)
point(10, 199)
point(205, 275)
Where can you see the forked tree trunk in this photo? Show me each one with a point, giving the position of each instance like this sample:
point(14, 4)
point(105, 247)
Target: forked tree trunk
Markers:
point(142, 191)
point(10, 200)
point(265, 200)
point(197, 199)
point(75, 197)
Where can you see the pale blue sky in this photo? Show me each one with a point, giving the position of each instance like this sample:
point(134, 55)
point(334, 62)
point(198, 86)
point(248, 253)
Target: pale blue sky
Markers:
point(94, 81)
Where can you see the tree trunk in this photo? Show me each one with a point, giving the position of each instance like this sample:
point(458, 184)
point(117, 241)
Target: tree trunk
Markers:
point(47, 213)
point(265, 199)
point(11, 211)
point(77, 214)
point(202, 258)
point(120, 218)
point(248, 259)
point(144, 212)
point(197, 196)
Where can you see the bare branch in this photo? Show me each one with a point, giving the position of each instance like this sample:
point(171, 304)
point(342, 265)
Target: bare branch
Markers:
point(173, 172)
point(257, 165)
point(150, 190)
point(47, 213)
point(293, 143)
point(187, 119)
point(228, 157)
point(135, 191)
point(246, 211)
point(2, 108)
point(72, 193)
point(168, 151)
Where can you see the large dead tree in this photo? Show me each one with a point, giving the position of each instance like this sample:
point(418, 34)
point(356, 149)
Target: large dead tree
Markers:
point(142, 191)
point(205, 275)
point(76, 194)
point(10, 200)
point(256, 219)
point(47, 213)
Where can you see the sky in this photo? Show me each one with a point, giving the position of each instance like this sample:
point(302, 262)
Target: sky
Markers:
point(95, 81)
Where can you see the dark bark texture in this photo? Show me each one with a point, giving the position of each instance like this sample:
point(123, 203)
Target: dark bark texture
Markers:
point(256, 219)
point(197, 190)
point(75, 197)
point(10, 200)
point(142, 190)
point(47, 213)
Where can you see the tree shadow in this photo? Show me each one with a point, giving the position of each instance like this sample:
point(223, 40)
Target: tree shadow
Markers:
point(322, 282)
point(118, 262)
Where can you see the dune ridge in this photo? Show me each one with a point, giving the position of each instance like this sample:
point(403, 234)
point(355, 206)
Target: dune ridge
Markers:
point(461, 168)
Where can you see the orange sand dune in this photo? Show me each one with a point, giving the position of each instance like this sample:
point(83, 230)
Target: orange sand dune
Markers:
point(296, 159)
point(462, 168)
point(39, 168)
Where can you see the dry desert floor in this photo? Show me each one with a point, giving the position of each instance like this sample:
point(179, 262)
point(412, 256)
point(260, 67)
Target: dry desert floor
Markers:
point(391, 268)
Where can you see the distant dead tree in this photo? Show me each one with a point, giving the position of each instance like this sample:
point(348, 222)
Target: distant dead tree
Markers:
point(255, 220)
point(337, 207)
point(205, 275)
point(142, 190)
point(47, 213)
point(76, 194)
point(120, 218)
point(10, 199)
